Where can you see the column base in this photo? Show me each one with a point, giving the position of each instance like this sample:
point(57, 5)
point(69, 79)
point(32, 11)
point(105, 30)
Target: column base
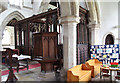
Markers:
point(63, 73)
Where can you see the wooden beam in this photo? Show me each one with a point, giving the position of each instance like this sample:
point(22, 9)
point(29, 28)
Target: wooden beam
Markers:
point(42, 15)
point(37, 21)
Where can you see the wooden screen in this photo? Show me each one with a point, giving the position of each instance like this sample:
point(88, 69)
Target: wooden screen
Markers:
point(24, 30)
point(82, 53)
point(82, 37)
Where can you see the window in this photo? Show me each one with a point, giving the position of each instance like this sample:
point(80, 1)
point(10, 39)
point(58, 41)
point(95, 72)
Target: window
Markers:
point(6, 38)
point(28, 3)
point(15, 2)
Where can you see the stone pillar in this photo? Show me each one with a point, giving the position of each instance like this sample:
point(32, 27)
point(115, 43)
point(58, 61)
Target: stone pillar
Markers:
point(94, 28)
point(69, 41)
point(0, 40)
point(61, 35)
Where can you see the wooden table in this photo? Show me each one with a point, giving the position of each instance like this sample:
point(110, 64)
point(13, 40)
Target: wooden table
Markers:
point(110, 69)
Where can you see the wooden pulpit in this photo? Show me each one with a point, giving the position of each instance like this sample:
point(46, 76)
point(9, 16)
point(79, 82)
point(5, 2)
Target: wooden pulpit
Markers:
point(45, 49)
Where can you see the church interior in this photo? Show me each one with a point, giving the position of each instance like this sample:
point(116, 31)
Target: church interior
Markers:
point(56, 40)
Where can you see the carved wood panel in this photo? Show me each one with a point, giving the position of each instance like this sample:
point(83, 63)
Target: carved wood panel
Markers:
point(49, 45)
point(82, 51)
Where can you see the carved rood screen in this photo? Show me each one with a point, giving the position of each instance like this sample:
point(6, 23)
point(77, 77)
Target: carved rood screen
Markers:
point(83, 36)
point(24, 29)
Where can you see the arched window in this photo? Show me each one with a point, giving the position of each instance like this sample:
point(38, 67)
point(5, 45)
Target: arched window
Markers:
point(15, 2)
point(6, 38)
point(109, 39)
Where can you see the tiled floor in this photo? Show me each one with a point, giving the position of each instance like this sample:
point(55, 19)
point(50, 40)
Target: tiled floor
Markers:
point(35, 74)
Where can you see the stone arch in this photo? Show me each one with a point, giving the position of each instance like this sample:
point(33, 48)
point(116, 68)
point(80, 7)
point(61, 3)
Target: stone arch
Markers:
point(69, 8)
point(44, 5)
point(94, 11)
point(15, 14)
point(104, 37)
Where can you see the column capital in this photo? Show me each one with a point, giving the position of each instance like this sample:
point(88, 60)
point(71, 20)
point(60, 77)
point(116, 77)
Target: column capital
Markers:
point(94, 26)
point(69, 19)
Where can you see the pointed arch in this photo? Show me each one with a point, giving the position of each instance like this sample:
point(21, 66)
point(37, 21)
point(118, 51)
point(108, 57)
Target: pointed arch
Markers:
point(15, 14)
point(8, 16)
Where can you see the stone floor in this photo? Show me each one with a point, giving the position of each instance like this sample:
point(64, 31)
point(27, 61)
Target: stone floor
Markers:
point(35, 75)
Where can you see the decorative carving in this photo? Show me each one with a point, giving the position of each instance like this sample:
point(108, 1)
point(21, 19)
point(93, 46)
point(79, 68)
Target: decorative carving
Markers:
point(44, 22)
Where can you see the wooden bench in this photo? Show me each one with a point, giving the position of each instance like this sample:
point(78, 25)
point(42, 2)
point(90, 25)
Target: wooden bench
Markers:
point(79, 73)
point(94, 64)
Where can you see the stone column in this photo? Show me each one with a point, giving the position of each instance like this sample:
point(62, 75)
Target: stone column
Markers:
point(0, 40)
point(61, 35)
point(94, 28)
point(69, 41)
